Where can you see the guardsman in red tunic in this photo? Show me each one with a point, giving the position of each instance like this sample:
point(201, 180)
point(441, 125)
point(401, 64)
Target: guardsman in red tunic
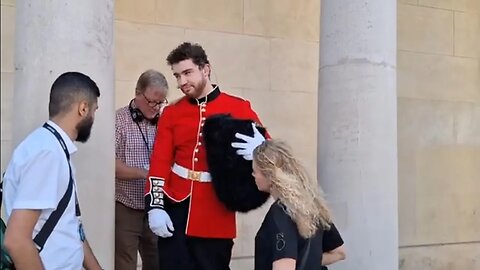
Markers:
point(196, 230)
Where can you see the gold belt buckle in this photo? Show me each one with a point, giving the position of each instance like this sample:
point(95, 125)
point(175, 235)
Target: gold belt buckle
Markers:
point(193, 175)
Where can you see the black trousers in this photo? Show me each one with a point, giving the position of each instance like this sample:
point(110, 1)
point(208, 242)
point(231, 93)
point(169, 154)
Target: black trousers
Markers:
point(191, 253)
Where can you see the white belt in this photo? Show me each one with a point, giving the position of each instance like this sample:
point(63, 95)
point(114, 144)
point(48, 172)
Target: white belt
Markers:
point(192, 175)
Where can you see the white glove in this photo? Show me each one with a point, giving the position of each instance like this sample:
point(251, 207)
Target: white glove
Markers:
point(160, 223)
point(246, 149)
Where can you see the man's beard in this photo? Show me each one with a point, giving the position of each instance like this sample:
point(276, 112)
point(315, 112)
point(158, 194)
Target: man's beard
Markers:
point(198, 88)
point(84, 128)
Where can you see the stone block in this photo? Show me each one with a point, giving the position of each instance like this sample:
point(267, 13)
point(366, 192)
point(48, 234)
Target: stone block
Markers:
point(294, 65)
point(135, 11)
point(283, 18)
point(422, 29)
point(467, 34)
point(447, 201)
point(143, 46)
point(441, 257)
point(459, 5)
point(438, 77)
point(124, 92)
point(439, 153)
point(220, 15)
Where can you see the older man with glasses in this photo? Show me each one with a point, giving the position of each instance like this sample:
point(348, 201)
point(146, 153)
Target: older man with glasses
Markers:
point(135, 129)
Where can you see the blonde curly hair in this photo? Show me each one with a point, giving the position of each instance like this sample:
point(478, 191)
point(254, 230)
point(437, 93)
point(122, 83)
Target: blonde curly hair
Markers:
point(294, 188)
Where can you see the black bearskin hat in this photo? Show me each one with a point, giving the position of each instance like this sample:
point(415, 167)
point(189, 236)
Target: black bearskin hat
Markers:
point(231, 174)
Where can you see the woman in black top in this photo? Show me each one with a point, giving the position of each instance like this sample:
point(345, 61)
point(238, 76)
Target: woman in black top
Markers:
point(290, 237)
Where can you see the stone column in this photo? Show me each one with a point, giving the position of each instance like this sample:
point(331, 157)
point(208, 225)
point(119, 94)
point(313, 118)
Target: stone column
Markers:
point(53, 37)
point(357, 138)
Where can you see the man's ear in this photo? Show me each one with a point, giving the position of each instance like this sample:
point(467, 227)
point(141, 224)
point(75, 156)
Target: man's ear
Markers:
point(206, 70)
point(83, 108)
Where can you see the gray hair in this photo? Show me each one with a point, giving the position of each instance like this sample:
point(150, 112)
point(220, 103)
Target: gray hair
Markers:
point(151, 77)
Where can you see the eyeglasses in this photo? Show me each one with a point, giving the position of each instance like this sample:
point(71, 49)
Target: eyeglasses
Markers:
point(153, 103)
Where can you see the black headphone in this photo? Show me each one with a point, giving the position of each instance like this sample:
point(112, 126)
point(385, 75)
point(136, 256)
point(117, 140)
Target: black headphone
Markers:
point(137, 115)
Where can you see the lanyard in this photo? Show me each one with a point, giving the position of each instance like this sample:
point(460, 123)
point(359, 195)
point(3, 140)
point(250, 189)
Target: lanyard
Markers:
point(145, 137)
point(67, 154)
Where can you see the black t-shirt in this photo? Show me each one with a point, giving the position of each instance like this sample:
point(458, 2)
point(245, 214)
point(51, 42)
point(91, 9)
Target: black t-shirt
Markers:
point(331, 240)
point(278, 238)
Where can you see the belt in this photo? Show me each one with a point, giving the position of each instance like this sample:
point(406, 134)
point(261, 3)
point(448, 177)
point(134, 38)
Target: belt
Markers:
point(192, 175)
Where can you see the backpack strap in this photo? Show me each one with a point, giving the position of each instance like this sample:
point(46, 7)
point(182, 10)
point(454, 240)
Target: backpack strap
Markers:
point(1, 191)
point(55, 216)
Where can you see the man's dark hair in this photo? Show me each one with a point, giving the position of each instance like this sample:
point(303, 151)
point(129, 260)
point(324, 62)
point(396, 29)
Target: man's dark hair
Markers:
point(186, 51)
point(68, 88)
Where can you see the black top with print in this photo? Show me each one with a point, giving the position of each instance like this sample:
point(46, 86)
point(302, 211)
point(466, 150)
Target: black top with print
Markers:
point(278, 238)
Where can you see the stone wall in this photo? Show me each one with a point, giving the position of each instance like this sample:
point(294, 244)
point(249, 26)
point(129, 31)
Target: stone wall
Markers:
point(438, 77)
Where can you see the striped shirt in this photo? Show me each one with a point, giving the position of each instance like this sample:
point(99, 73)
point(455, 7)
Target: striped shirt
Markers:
point(134, 150)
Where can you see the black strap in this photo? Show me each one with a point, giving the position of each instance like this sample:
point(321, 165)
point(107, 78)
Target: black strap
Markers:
point(55, 216)
point(303, 262)
point(1, 190)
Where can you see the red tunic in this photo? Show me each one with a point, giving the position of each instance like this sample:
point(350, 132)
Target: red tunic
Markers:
point(179, 140)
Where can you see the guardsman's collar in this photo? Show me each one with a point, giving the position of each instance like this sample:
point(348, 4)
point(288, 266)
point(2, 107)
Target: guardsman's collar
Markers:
point(210, 97)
